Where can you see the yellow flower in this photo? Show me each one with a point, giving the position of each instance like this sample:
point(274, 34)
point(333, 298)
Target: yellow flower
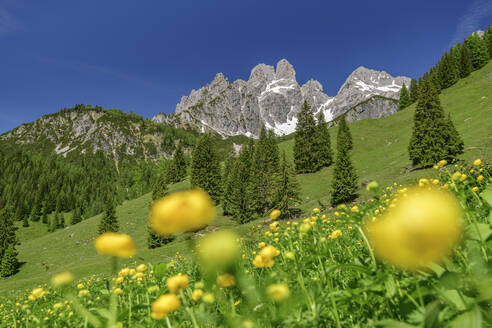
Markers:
point(196, 294)
point(118, 291)
point(305, 227)
point(83, 292)
point(456, 176)
point(316, 210)
point(164, 305)
point(80, 286)
point(289, 255)
point(278, 292)
point(226, 280)
point(265, 258)
point(62, 279)
point(477, 162)
point(423, 228)
point(335, 234)
point(153, 289)
point(177, 283)
point(142, 268)
point(124, 272)
point(115, 244)
point(236, 303)
point(57, 306)
point(475, 189)
point(208, 298)
point(435, 181)
point(442, 163)
point(355, 209)
point(463, 177)
point(480, 178)
point(218, 250)
point(119, 280)
point(182, 211)
point(275, 214)
point(261, 244)
point(38, 292)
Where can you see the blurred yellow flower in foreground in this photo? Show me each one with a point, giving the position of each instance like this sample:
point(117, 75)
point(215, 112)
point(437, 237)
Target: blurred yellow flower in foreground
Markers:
point(226, 280)
point(164, 305)
point(275, 214)
point(278, 292)
point(62, 279)
point(182, 211)
point(177, 283)
point(218, 250)
point(423, 228)
point(115, 244)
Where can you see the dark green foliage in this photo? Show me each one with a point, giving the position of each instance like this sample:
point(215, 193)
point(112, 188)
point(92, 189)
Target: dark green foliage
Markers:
point(25, 222)
point(241, 205)
point(205, 168)
point(434, 137)
point(488, 41)
point(76, 216)
point(44, 215)
point(466, 66)
point(264, 164)
point(286, 195)
point(227, 183)
point(108, 222)
point(322, 143)
point(414, 90)
point(160, 187)
point(449, 75)
point(344, 137)
point(344, 186)
point(176, 169)
point(9, 263)
point(405, 100)
point(304, 158)
point(478, 50)
point(7, 230)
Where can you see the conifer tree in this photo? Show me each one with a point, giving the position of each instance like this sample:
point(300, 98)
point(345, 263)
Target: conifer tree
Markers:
point(466, 66)
point(447, 71)
point(344, 186)
point(44, 216)
point(108, 222)
point(286, 190)
point(205, 168)
point(304, 157)
point(241, 205)
point(488, 40)
point(171, 172)
point(76, 215)
point(478, 50)
point(179, 163)
point(456, 58)
point(414, 90)
point(322, 144)
point(160, 190)
point(262, 173)
point(227, 183)
point(25, 222)
point(432, 138)
point(34, 216)
point(61, 221)
point(9, 262)
point(405, 100)
point(454, 141)
point(160, 187)
point(7, 231)
point(344, 137)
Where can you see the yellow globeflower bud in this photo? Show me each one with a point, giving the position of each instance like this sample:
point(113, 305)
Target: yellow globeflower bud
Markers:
point(119, 280)
point(62, 279)
point(182, 211)
point(316, 210)
point(80, 286)
point(278, 292)
point(456, 176)
point(442, 163)
point(275, 214)
point(475, 189)
point(118, 291)
point(422, 229)
point(477, 162)
point(208, 298)
point(38, 292)
point(226, 280)
point(218, 250)
point(164, 305)
point(115, 244)
point(177, 283)
point(335, 234)
point(196, 294)
point(480, 178)
point(142, 268)
point(372, 186)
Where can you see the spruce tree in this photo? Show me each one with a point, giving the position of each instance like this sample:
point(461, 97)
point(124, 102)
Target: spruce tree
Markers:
point(25, 222)
point(9, 263)
point(344, 137)
point(241, 205)
point(160, 190)
point(447, 70)
point(322, 144)
point(171, 172)
point(488, 40)
point(76, 215)
point(44, 215)
point(304, 157)
point(478, 50)
point(466, 66)
point(405, 100)
point(414, 90)
point(286, 190)
point(454, 142)
point(432, 137)
point(227, 183)
point(205, 168)
point(61, 221)
point(160, 187)
point(344, 186)
point(108, 222)
point(179, 163)
point(7, 230)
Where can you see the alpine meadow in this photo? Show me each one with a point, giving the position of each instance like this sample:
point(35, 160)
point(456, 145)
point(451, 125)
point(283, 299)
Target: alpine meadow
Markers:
point(254, 203)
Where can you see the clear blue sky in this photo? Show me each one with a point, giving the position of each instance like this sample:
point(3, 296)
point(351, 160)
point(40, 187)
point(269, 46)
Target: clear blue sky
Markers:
point(144, 55)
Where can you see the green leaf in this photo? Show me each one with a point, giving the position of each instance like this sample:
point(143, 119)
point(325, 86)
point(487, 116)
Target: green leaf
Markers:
point(480, 231)
point(452, 296)
point(390, 286)
point(393, 324)
point(160, 270)
point(470, 319)
point(432, 315)
point(487, 194)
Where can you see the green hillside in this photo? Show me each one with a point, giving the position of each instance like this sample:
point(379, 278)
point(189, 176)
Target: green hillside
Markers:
point(380, 153)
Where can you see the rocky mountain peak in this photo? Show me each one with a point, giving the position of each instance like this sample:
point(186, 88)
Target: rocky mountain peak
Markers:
point(285, 70)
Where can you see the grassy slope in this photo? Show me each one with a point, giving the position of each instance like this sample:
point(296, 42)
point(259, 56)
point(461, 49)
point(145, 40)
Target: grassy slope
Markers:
point(380, 153)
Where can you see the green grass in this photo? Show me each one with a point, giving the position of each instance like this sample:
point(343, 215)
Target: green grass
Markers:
point(380, 153)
